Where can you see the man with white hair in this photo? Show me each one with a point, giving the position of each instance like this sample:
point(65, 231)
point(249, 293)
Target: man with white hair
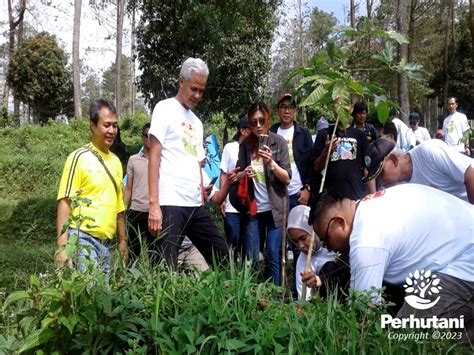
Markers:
point(176, 205)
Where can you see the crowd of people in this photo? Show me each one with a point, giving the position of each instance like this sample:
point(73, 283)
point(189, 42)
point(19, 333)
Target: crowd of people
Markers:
point(367, 232)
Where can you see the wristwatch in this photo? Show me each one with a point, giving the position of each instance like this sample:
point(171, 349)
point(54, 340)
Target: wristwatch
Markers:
point(273, 166)
point(307, 187)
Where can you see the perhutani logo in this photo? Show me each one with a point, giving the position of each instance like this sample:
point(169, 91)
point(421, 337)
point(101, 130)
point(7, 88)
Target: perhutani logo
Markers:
point(421, 287)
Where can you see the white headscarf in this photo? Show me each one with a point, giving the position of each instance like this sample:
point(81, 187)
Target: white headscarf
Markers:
point(298, 219)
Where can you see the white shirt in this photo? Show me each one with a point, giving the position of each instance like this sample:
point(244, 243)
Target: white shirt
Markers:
point(295, 183)
point(454, 127)
point(437, 165)
point(410, 227)
point(318, 259)
point(230, 155)
point(181, 136)
point(421, 134)
point(406, 138)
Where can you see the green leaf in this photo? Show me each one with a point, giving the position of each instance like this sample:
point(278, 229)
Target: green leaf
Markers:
point(398, 37)
point(69, 322)
point(383, 111)
point(15, 297)
point(315, 96)
point(340, 92)
point(234, 344)
point(36, 339)
point(53, 293)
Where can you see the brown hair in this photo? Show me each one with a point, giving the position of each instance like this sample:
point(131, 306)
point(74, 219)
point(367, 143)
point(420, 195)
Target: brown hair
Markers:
point(263, 108)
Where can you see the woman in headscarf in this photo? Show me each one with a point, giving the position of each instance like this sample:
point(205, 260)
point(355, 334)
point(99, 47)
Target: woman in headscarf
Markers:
point(327, 269)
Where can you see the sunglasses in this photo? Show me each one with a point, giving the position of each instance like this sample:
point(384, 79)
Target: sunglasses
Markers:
point(255, 123)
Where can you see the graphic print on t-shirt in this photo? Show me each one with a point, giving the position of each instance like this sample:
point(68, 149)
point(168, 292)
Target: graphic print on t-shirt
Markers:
point(258, 169)
point(346, 150)
point(190, 139)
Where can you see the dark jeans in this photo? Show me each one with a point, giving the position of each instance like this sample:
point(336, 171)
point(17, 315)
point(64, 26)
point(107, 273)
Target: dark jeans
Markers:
point(262, 227)
point(195, 223)
point(137, 228)
point(232, 229)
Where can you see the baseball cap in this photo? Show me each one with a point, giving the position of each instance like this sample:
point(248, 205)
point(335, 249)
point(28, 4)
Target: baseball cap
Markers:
point(285, 96)
point(414, 117)
point(243, 122)
point(375, 157)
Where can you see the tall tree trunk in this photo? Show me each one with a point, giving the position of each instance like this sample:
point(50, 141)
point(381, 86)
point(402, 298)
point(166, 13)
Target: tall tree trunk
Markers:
point(449, 5)
point(21, 27)
point(411, 28)
point(13, 24)
point(132, 65)
point(76, 69)
point(471, 23)
point(403, 95)
point(352, 13)
point(370, 4)
point(118, 55)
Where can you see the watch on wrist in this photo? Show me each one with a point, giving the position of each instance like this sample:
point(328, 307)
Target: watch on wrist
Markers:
point(307, 187)
point(272, 166)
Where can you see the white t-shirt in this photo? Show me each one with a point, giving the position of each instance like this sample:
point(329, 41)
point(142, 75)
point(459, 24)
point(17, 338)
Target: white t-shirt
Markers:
point(181, 136)
point(230, 155)
point(437, 165)
point(454, 127)
point(295, 182)
point(421, 134)
point(260, 186)
point(318, 259)
point(410, 227)
point(406, 138)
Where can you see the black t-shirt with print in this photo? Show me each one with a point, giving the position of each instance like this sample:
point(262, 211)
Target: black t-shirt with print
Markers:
point(346, 165)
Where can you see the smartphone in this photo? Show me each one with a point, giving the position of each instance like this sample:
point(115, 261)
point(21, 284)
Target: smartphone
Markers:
point(262, 141)
point(213, 181)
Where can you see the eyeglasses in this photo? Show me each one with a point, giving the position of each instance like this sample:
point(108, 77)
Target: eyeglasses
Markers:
point(326, 235)
point(255, 123)
point(286, 107)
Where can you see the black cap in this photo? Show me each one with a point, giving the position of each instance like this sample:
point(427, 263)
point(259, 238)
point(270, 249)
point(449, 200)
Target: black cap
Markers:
point(243, 122)
point(414, 117)
point(375, 157)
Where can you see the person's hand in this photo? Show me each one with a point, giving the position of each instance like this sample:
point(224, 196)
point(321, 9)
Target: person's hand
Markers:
point(266, 154)
point(61, 258)
point(335, 142)
point(207, 191)
point(122, 247)
point(222, 208)
point(155, 220)
point(310, 279)
point(303, 197)
point(233, 175)
point(249, 172)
